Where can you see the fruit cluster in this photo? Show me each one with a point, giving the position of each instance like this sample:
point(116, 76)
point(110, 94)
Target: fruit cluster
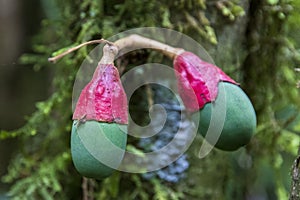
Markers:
point(98, 139)
point(176, 123)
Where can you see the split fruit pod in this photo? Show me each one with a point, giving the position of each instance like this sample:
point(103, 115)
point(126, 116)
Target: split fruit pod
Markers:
point(238, 120)
point(97, 148)
point(99, 131)
point(227, 117)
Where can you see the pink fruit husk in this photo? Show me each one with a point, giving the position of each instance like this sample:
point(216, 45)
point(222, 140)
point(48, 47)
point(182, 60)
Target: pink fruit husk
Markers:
point(103, 98)
point(197, 77)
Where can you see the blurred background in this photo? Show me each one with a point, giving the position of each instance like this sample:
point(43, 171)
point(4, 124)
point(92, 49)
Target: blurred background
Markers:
point(21, 86)
point(256, 42)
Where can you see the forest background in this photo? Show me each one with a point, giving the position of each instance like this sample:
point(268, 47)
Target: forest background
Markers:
point(256, 42)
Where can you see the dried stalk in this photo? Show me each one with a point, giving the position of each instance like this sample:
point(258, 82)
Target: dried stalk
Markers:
point(132, 41)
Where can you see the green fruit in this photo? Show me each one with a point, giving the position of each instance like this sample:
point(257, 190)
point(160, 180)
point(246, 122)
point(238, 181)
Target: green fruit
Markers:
point(97, 148)
point(233, 106)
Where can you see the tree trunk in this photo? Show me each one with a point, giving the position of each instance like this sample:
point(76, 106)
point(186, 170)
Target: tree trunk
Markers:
point(295, 186)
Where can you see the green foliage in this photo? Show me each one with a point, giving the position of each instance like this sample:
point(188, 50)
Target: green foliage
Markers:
point(230, 9)
point(274, 93)
point(42, 168)
point(45, 183)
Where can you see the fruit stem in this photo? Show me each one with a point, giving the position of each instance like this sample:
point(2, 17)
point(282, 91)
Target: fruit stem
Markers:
point(59, 56)
point(137, 41)
point(132, 41)
point(109, 53)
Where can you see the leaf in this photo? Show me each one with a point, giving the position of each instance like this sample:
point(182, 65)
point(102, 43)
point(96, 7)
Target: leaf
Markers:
point(114, 183)
point(160, 191)
point(273, 2)
point(44, 193)
point(135, 151)
point(166, 18)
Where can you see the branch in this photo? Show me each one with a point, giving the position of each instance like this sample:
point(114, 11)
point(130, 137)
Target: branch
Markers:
point(87, 188)
point(132, 41)
point(84, 186)
point(137, 41)
point(56, 58)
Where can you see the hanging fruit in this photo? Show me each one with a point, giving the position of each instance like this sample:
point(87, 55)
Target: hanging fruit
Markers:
point(214, 91)
point(98, 140)
point(99, 131)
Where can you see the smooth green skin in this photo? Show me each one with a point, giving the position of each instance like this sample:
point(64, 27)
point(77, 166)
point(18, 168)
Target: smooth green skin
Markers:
point(240, 117)
point(105, 140)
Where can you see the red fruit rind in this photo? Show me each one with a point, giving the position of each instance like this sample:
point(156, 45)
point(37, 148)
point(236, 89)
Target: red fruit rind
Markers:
point(197, 77)
point(103, 98)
